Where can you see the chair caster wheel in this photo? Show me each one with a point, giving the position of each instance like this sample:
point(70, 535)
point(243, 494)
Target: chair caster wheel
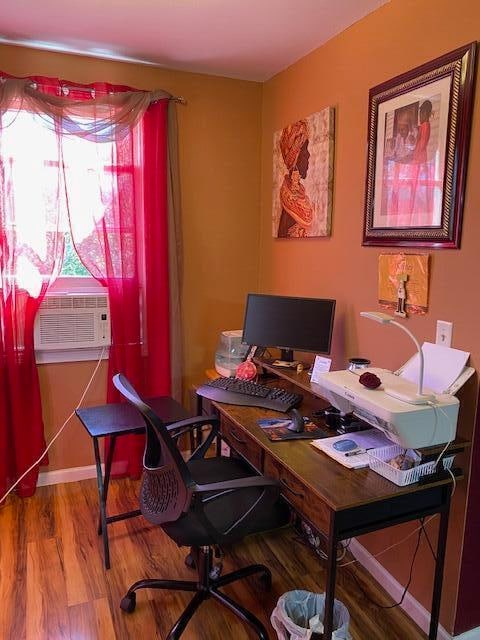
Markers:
point(190, 561)
point(265, 581)
point(128, 603)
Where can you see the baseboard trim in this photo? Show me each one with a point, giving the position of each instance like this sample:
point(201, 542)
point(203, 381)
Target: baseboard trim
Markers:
point(473, 634)
point(410, 605)
point(73, 474)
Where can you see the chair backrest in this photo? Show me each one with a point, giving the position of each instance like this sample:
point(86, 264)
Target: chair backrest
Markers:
point(166, 486)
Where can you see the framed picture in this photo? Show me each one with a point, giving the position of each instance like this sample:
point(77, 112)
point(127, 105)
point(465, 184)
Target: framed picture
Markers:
point(418, 135)
point(303, 177)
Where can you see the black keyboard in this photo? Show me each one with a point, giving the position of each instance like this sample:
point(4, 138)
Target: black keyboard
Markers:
point(251, 394)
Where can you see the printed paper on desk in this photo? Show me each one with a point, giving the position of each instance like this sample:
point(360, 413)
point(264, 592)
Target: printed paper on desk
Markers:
point(442, 366)
point(321, 365)
point(369, 439)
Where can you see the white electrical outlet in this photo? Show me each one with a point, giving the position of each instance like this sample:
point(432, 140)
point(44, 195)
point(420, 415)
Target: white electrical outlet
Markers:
point(444, 333)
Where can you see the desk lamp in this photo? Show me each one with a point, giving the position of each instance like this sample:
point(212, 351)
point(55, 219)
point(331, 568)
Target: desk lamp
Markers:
point(419, 397)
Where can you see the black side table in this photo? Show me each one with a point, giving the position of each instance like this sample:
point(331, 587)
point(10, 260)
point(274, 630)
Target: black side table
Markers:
point(117, 420)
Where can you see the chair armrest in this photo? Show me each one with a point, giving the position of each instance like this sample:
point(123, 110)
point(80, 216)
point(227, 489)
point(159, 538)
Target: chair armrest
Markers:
point(177, 429)
point(190, 423)
point(239, 483)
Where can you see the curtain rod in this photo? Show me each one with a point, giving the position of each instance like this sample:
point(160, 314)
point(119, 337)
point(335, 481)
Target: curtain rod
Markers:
point(179, 99)
point(67, 88)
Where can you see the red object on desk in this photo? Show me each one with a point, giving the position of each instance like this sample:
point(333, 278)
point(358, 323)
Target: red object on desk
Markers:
point(370, 380)
point(246, 371)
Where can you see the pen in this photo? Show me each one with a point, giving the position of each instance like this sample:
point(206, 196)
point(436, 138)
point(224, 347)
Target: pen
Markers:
point(357, 452)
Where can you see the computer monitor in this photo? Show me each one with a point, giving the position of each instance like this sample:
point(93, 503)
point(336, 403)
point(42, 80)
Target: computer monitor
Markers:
point(303, 324)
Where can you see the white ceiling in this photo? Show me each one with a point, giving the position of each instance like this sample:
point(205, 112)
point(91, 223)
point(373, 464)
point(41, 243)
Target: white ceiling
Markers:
point(248, 39)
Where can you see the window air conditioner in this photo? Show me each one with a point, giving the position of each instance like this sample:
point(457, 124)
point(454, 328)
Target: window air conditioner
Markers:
point(72, 321)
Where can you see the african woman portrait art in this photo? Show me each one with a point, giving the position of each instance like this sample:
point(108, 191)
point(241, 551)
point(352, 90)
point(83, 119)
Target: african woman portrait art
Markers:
point(297, 210)
point(302, 177)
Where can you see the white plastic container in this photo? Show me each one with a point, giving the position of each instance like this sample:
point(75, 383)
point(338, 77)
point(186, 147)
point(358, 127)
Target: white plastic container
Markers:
point(377, 459)
point(230, 352)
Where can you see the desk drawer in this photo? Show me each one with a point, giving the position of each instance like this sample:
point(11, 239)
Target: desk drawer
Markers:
point(242, 443)
point(306, 504)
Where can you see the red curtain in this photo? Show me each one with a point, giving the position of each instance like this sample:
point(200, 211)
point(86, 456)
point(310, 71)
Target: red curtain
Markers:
point(127, 251)
point(31, 250)
point(21, 424)
point(113, 191)
point(155, 199)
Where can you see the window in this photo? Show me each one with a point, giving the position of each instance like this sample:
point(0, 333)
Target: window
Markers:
point(30, 158)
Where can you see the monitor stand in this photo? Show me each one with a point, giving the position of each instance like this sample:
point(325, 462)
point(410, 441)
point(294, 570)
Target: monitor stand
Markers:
point(286, 355)
point(286, 359)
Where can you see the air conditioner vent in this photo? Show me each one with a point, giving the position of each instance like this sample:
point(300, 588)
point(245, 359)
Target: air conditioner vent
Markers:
point(67, 327)
point(72, 322)
point(68, 301)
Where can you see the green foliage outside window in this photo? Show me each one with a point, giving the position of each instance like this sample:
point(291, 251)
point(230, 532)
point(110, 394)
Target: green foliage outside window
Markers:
point(72, 266)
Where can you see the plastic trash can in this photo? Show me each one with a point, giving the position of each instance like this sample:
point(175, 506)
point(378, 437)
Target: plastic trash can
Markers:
point(299, 614)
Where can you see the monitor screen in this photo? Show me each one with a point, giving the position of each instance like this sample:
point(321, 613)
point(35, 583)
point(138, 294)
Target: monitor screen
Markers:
point(303, 324)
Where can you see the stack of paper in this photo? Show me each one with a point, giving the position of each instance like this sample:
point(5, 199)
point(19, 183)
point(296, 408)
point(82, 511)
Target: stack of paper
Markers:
point(364, 440)
point(442, 366)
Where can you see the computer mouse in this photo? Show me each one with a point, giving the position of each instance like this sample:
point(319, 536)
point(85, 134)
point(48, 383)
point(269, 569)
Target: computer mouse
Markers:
point(298, 425)
point(345, 445)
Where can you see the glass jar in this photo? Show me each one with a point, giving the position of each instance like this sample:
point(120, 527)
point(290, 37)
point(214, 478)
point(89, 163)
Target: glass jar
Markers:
point(358, 363)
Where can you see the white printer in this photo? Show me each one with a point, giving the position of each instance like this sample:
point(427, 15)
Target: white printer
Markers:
point(409, 425)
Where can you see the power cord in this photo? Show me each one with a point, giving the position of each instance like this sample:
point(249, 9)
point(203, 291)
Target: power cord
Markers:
point(452, 436)
point(345, 546)
point(308, 539)
point(392, 546)
point(47, 448)
point(407, 586)
point(427, 537)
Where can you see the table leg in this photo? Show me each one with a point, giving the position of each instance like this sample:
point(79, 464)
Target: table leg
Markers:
point(106, 478)
point(439, 565)
point(199, 407)
point(198, 432)
point(101, 495)
point(330, 580)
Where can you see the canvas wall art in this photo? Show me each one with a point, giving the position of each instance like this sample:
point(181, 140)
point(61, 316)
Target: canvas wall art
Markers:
point(303, 177)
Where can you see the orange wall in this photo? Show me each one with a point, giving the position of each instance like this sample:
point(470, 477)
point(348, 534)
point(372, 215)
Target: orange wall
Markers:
point(226, 165)
point(219, 148)
point(61, 387)
point(399, 36)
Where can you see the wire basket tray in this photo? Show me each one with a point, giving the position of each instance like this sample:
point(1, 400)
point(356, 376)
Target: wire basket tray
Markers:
point(378, 462)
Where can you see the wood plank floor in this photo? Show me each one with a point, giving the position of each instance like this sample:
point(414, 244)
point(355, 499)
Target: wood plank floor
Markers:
point(53, 585)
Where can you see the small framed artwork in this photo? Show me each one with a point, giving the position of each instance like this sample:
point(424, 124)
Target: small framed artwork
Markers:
point(403, 275)
point(418, 136)
point(303, 177)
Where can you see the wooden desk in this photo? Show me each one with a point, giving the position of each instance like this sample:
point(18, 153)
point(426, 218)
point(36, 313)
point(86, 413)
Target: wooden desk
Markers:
point(340, 503)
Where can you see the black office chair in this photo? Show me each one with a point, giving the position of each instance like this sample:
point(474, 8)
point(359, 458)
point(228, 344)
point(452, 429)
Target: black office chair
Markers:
point(201, 503)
